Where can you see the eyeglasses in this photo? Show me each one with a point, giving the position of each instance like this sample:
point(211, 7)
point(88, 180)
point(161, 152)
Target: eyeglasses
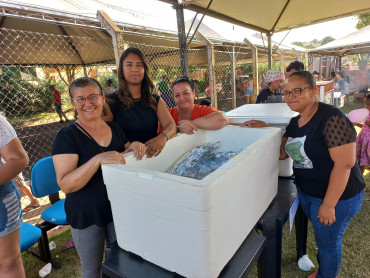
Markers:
point(94, 98)
point(295, 92)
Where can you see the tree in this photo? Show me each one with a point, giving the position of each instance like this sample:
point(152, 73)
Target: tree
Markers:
point(327, 39)
point(363, 58)
point(363, 20)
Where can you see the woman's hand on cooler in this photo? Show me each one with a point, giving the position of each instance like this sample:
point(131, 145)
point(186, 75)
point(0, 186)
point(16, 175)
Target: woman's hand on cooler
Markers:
point(254, 123)
point(326, 214)
point(155, 145)
point(111, 157)
point(138, 148)
point(187, 127)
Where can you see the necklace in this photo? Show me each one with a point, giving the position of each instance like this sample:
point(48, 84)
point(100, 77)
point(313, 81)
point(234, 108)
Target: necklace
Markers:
point(136, 99)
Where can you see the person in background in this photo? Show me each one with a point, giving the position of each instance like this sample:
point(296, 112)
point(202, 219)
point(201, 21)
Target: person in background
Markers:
point(79, 150)
point(205, 102)
point(110, 87)
point(274, 80)
point(134, 106)
point(21, 185)
point(332, 76)
point(321, 142)
point(339, 84)
point(189, 116)
point(58, 103)
point(363, 140)
point(292, 67)
point(249, 89)
point(164, 88)
point(13, 159)
point(316, 75)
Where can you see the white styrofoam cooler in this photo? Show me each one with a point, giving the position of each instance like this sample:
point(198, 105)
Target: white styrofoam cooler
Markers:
point(194, 227)
point(275, 114)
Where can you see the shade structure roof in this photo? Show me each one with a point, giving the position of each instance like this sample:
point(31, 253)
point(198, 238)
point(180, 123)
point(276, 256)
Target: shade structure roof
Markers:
point(354, 43)
point(276, 15)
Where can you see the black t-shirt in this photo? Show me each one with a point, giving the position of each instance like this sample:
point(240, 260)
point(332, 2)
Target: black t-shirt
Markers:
point(139, 123)
point(266, 96)
point(309, 148)
point(90, 204)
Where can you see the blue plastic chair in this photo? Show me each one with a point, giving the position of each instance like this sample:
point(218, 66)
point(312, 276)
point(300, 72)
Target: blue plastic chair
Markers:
point(30, 234)
point(44, 183)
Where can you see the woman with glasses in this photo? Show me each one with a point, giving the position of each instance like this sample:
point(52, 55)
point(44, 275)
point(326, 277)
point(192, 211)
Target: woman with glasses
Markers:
point(321, 142)
point(78, 152)
point(189, 116)
point(134, 106)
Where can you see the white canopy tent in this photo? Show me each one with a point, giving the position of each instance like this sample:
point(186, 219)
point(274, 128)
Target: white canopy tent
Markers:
point(354, 43)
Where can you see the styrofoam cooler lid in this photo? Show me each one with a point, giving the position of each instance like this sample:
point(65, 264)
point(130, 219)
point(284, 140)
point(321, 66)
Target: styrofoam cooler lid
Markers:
point(271, 113)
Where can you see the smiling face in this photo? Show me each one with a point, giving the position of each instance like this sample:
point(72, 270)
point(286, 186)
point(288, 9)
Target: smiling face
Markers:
point(184, 96)
point(89, 110)
point(305, 100)
point(133, 69)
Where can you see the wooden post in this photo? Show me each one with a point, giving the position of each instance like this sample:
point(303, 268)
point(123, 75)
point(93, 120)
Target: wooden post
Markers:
point(211, 66)
point(255, 68)
point(182, 39)
point(233, 77)
point(269, 51)
point(117, 38)
point(306, 58)
point(299, 55)
point(320, 68)
point(282, 60)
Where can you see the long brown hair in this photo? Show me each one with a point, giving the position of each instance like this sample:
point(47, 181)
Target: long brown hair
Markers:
point(147, 86)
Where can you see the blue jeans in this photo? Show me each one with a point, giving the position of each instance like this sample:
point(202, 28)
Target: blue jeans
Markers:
point(329, 238)
point(10, 209)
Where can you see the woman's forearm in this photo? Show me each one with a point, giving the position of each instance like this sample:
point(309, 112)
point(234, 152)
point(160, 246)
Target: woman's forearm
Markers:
point(337, 184)
point(213, 121)
point(12, 168)
point(77, 178)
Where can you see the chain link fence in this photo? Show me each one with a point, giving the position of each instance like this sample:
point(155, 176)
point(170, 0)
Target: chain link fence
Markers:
point(27, 101)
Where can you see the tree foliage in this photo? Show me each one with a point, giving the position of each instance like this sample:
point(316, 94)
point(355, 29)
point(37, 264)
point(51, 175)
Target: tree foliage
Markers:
point(363, 20)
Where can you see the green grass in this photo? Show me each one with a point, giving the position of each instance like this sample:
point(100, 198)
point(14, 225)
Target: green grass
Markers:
point(356, 246)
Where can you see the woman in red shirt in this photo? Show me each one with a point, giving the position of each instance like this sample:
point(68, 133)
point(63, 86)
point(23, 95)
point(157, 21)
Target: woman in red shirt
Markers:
point(189, 116)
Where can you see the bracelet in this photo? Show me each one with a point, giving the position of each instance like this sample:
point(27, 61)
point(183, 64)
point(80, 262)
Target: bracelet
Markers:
point(165, 134)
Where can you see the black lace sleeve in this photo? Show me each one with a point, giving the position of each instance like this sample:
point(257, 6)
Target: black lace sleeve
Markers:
point(339, 131)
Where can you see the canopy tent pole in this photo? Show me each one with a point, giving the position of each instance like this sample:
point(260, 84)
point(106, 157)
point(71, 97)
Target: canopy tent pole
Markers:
point(211, 66)
point(269, 51)
point(233, 77)
point(282, 60)
point(117, 37)
point(255, 68)
point(182, 39)
point(320, 73)
point(306, 58)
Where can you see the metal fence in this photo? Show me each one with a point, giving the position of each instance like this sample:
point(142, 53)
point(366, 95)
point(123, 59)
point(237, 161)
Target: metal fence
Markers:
point(27, 102)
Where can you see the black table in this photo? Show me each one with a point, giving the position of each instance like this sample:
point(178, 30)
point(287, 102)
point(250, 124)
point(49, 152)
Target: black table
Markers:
point(271, 224)
point(122, 264)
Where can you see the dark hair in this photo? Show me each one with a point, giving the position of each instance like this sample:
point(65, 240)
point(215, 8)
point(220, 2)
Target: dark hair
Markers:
point(83, 82)
point(51, 87)
point(251, 75)
point(296, 65)
point(367, 96)
point(341, 74)
point(183, 79)
point(147, 86)
point(316, 72)
point(306, 75)
point(109, 81)
point(332, 74)
point(206, 102)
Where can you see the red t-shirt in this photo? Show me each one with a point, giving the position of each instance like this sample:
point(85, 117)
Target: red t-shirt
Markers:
point(199, 111)
point(56, 97)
